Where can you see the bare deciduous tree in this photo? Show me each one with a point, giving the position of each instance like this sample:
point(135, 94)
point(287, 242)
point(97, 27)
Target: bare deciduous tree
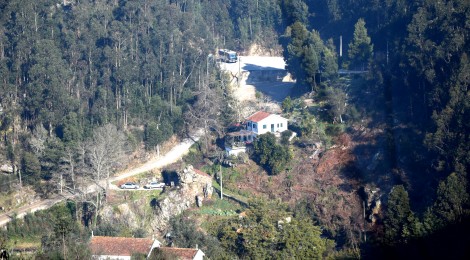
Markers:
point(37, 141)
point(206, 112)
point(105, 151)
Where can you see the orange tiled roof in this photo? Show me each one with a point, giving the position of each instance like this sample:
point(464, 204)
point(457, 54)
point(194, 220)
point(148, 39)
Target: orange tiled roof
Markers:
point(122, 246)
point(258, 116)
point(202, 173)
point(180, 253)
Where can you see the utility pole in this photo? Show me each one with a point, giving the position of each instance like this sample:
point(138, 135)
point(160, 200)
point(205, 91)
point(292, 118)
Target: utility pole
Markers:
point(387, 52)
point(221, 189)
point(364, 219)
point(341, 46)
point(239, 71)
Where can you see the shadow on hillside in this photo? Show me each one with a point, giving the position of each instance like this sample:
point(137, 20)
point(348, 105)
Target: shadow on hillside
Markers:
point(270, 81)
point(449, 243)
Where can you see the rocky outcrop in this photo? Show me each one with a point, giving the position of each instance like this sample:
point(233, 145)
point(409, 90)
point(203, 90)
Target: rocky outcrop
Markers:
point(195, 186)
point(6, 168)
point(120, 214)
point(372, 202)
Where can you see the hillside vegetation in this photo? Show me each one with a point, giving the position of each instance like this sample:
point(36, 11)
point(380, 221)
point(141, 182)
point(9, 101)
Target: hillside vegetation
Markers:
point(378, 168)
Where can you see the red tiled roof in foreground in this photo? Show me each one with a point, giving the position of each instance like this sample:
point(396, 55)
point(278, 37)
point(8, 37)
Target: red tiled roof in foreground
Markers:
point(201, 173)
point(258, 116)
point(122, 246)
point(180, 253)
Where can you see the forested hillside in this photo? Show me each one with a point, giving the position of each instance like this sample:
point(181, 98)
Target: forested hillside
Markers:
point(69, 67)
point(379, 168)
point(416, 57)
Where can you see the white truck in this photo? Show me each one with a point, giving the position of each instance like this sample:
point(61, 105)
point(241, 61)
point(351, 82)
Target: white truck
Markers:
point(228, 56)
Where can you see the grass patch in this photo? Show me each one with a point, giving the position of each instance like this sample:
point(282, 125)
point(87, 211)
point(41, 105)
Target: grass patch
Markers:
point(126, 196)
point(230, 193)
point(219, 207)
point(148, 194)
point(194, 156)
point(215, 211)
point(19, 242)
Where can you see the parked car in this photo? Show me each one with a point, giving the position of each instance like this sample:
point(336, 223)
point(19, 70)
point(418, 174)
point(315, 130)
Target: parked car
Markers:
point(154, 185)
point(130, 185)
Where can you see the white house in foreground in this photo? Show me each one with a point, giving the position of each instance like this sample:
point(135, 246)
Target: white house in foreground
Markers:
point(259, 123)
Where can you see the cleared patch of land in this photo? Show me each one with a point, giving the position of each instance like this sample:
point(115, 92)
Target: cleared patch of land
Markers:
point(257, 73)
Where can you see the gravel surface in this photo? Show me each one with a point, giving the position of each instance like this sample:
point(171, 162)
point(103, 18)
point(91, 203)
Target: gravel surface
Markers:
point(258, 73)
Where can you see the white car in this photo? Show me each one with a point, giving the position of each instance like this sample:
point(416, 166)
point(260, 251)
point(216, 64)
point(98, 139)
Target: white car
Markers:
point(154, 185)
point(130, 185)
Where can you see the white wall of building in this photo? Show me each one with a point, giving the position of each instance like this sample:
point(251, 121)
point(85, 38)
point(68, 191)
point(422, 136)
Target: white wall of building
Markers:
point(272, 123)
point(199, 255)
point(111, 257)
point(235, 150)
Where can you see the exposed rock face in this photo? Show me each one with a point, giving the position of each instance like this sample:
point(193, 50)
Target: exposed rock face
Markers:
point(120, 214)
point(6, 168)
point(194, 185)
point(373, 203)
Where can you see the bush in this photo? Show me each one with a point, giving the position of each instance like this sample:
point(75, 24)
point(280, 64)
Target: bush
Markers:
point(107, 229)
point(353, 113)
point(333, 130)
point(287, 105)
point(195, 155)
point(270, 155)
point(285, 137)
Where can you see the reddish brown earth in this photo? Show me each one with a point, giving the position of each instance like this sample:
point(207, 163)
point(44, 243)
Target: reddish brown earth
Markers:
point(324, 183)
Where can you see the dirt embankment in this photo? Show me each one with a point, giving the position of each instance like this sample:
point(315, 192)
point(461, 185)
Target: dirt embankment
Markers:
point(328, 186)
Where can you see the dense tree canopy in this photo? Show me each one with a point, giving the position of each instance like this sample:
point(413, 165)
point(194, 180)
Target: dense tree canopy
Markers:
point(268, 230)
point(141, 70)
point(307, 56)
point(271, 155)
point(417, 56)
point(69, 67)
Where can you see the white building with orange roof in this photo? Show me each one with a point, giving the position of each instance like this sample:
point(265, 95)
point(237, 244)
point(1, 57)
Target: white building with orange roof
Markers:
point(258, 123)
point(263, 122)
point(121, 248)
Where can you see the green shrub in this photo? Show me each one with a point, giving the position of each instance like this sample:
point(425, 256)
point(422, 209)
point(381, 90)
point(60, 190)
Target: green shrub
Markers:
point(272, 156)
point(334, 130)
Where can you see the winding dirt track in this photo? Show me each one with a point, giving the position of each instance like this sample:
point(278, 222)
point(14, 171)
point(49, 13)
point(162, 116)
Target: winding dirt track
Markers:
point(245, 91)
point(175, 154)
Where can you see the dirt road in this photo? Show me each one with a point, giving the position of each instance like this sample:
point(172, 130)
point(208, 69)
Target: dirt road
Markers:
point(175, 154)
point(252, 73)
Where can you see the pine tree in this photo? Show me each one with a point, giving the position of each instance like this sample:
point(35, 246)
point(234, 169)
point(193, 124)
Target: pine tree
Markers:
point(360, 49)
point(451, 199)
point(400, 222)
